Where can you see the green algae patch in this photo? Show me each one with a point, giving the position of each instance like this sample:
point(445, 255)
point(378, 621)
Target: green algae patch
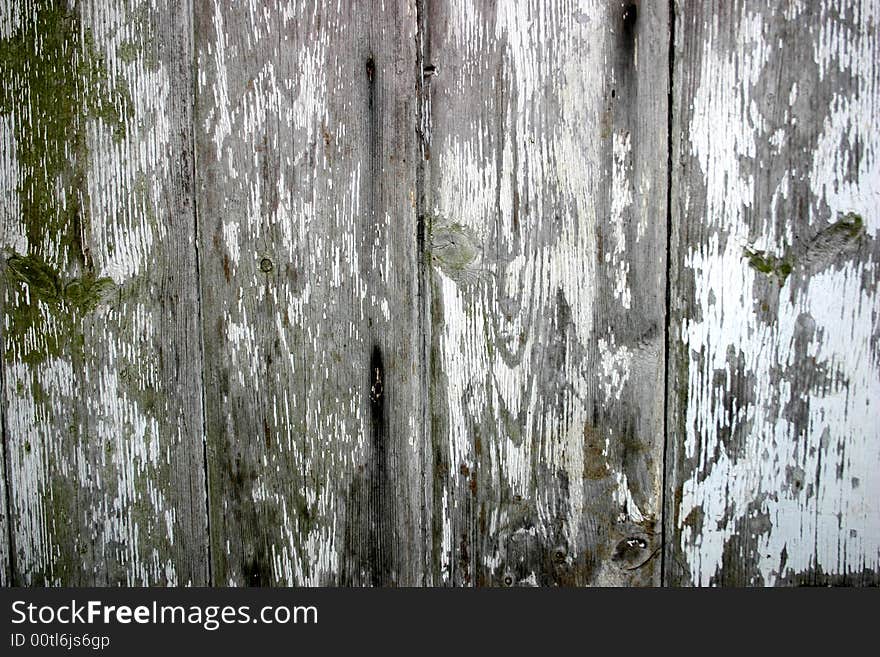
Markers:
point(825, 247)
point(54, 80)
point(60, 88)
point(128, 52)
point(112, 103)
point(836, 238)
point(851, 226)
point(769, 264)
point(43, 281)
point(49, 296)
point(76, 295)
point(85, 293)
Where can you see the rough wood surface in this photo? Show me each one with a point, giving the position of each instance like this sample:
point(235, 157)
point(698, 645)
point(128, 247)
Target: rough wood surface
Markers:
point(307, 215)
point(5, 563)
point(101, 363)
point(774, 374)
point(546, 222)
point(376, 293)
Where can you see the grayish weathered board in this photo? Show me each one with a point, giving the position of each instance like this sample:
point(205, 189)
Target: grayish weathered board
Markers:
point(307, 212)
point(5, 562)
point(375, 293)
point(546, 220)
point(774, 376)
point(101, 363)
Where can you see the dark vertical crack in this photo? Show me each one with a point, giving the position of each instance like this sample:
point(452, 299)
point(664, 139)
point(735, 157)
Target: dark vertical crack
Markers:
point(379, 519)
point(425, 69)
point(378, 501)
point(7, 500)
point(198, 266)
point(666, 333)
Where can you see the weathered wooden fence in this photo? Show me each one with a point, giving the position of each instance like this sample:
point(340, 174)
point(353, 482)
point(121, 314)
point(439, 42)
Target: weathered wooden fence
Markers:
point(423, 292)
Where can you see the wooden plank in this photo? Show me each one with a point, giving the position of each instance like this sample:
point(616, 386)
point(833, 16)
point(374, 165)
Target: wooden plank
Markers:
point(306, 200)
point(101, 353)
point(775, 460)
point(546, 207)
point(5, 533)
point(5, 543)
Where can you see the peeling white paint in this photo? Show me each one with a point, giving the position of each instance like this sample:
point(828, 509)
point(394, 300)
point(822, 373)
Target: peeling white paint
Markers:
point(92, 499)
point(807, 500)
point(518, 158)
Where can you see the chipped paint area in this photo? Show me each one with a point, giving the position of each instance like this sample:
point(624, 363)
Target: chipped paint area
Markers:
point(616, 365)
point(517, 168)
point(92, 438)
point(537, 460)
point(291, 233)
point(621, 199)
point(782, 442)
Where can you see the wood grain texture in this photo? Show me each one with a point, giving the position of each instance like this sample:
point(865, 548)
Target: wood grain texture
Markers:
point(101, 362)
point(306, 200)
point(375, 293)
point(5, 542)
point(774, 373)
point(546, 220)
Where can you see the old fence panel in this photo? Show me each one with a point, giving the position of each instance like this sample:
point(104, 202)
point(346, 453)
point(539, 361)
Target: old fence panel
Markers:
point(774, 378)
point(5, 562)
point(546, 220)
point(376, 293)
point(307, 215)
point(101, 385)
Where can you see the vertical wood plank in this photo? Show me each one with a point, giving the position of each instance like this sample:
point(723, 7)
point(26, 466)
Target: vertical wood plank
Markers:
point(306, 201)
point(774, 373)
point(546, 219)
point(101, 354)
point(5, 543)
point(5, 527)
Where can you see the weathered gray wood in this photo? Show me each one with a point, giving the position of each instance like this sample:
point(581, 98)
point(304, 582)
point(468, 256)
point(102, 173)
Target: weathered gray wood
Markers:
point(101, 362)
point(774, 380)
point(306, 201)
point(433, 268)
point(546, 213)
point(5, 561)
point(5, 542)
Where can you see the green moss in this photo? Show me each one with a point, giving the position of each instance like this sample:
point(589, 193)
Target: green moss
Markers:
point(112, 104)
point(827, 244)
point(141, 22)
point(128, 52)
point(852, 224)
point(54, 80)
point(850, 227)
point(85, 293)
point(55, 84)
point(771, 265)
point(65, 564)
point(65, 299)
point(43, 281)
